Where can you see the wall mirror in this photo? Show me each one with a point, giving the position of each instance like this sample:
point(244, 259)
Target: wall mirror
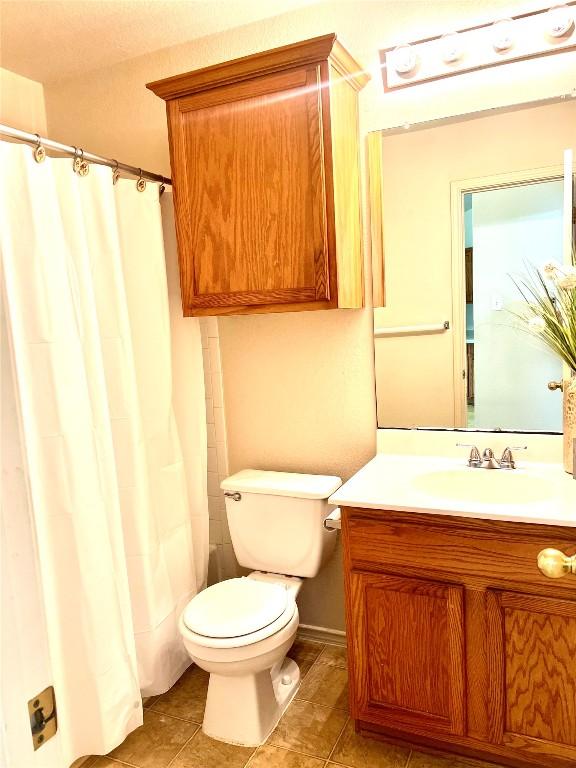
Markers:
point(458, 209)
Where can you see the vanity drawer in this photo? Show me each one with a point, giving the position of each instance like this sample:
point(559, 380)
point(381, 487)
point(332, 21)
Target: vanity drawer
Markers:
point(488, 550)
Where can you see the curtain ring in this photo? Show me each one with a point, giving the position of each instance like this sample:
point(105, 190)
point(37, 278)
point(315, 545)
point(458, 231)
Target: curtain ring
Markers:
point(115, 172)
point(84, 168)
point(141, 183)
point(76, 162)
point(162, 189)
point(39, 151)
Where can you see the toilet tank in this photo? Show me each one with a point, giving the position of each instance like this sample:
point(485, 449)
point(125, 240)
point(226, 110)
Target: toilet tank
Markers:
point(276, 520)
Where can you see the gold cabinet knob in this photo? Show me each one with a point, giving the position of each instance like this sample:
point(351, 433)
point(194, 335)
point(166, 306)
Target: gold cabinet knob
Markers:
point(556, 564)
point(552, 385)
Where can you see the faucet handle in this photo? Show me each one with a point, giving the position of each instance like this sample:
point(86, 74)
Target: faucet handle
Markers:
point(475, 460)
point(507, 460)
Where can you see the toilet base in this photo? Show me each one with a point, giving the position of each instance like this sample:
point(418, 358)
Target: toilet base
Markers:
point(245, 709)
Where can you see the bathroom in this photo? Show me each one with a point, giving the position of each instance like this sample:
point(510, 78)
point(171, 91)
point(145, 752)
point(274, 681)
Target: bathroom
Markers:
point(290, 392)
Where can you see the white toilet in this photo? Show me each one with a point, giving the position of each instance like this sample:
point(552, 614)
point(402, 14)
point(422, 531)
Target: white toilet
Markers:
point(241, 629)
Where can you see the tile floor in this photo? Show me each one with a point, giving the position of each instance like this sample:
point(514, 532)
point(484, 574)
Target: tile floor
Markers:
point(315, 732)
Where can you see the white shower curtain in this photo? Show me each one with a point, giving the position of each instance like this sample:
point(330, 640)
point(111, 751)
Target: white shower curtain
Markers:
point(120, 546)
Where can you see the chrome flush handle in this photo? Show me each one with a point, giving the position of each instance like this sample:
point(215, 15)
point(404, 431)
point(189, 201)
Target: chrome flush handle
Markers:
point(236, 496)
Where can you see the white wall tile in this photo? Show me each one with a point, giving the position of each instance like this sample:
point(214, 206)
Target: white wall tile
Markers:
point(220, 425)
point(213, 484)
point(222, 459)
point(215, 532)
point(212, 460)
point(211, 324)
point(211, 435)
point(214, 350)
point(216, 389)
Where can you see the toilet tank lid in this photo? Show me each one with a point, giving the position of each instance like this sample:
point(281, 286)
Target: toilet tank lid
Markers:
point(293, 484)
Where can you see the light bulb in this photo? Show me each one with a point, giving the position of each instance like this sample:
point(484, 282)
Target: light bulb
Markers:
point(404, 59)
point(559, 21)
point(451, 47)
point(503, 35)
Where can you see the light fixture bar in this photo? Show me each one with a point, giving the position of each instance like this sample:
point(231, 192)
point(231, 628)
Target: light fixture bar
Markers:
point(526, 36)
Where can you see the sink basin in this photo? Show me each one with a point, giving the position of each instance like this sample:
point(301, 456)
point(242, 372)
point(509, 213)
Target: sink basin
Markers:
point(485, 486)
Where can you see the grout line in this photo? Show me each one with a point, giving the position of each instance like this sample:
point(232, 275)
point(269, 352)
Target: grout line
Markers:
point(115, 760)
point(339, 737)
point(174, 717)
point(183, 746)
point(291, 749)
point(311, 701)
point(408, 759)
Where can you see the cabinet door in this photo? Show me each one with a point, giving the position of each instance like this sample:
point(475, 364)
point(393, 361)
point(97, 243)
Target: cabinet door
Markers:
point(251, 163)
point(532, 664)
point(407, 653)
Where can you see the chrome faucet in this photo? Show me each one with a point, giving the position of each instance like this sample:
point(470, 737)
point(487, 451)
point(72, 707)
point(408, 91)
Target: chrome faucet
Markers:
point(487, 460)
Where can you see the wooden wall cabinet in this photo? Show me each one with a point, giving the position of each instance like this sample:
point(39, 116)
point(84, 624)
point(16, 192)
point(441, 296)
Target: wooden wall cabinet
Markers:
point(265, 169)
point(456, 641)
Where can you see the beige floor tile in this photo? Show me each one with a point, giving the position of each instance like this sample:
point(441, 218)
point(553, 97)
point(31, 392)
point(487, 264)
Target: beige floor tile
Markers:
point(360, 752)
point(155, 743)
point(148, 701)
point(305, 653)
point(107, 762)
point(187, 697)
point(421, 760)
point(204, 752)
point(275, 757)
point(325, 684)
point(309, 728)
point(334, 655)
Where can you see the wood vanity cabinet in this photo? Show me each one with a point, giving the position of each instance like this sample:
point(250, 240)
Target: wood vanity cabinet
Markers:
point(456, 641)
point(265, 170)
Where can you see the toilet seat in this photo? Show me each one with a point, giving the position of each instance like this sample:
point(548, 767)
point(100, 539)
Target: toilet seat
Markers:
point(237, 612)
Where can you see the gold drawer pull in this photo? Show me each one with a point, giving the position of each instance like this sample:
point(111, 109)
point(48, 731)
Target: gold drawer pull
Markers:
point(556, 564)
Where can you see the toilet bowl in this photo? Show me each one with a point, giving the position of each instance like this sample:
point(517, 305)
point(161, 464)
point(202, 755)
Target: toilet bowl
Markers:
point(251, 680)
point(241, 629)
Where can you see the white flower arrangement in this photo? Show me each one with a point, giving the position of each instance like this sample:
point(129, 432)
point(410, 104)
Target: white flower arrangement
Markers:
point(550, 296)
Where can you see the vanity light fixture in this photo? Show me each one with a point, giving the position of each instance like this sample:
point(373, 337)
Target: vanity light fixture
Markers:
point(404, 59)
point(526, 36)
point(559, 21)
point(503, 35)
point(451, 47)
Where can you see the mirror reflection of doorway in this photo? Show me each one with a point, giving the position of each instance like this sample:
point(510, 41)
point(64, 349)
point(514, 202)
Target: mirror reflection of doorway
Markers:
point(507, 229)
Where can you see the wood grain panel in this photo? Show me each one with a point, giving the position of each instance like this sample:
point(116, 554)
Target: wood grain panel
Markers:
point(412, 651)
point(294, 78)
point(253, 165)
point(498, 552)
point(533, 648)
point(344, 123)
point(255, 211)
point(299, 54)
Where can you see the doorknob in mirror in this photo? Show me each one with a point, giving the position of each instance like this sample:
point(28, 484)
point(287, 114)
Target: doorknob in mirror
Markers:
point(552, 385)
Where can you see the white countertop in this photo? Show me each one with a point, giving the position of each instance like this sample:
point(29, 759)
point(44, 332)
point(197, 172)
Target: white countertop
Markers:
point(394, 482)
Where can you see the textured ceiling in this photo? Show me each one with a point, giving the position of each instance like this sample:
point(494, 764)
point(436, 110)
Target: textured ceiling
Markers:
point(47, 40)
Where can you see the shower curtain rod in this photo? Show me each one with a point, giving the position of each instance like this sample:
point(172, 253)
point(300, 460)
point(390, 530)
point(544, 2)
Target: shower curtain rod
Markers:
point(33, 138)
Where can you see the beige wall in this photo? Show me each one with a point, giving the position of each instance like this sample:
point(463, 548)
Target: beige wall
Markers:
point(299, 389)
point(22, 103)
point(418, 168)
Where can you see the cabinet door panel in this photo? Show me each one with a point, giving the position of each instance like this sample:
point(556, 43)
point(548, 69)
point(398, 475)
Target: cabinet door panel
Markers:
point(532, 655)
point(252, 202)
point(408, 652)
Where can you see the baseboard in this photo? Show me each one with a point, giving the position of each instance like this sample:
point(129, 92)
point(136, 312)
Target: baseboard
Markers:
point(322, 634)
